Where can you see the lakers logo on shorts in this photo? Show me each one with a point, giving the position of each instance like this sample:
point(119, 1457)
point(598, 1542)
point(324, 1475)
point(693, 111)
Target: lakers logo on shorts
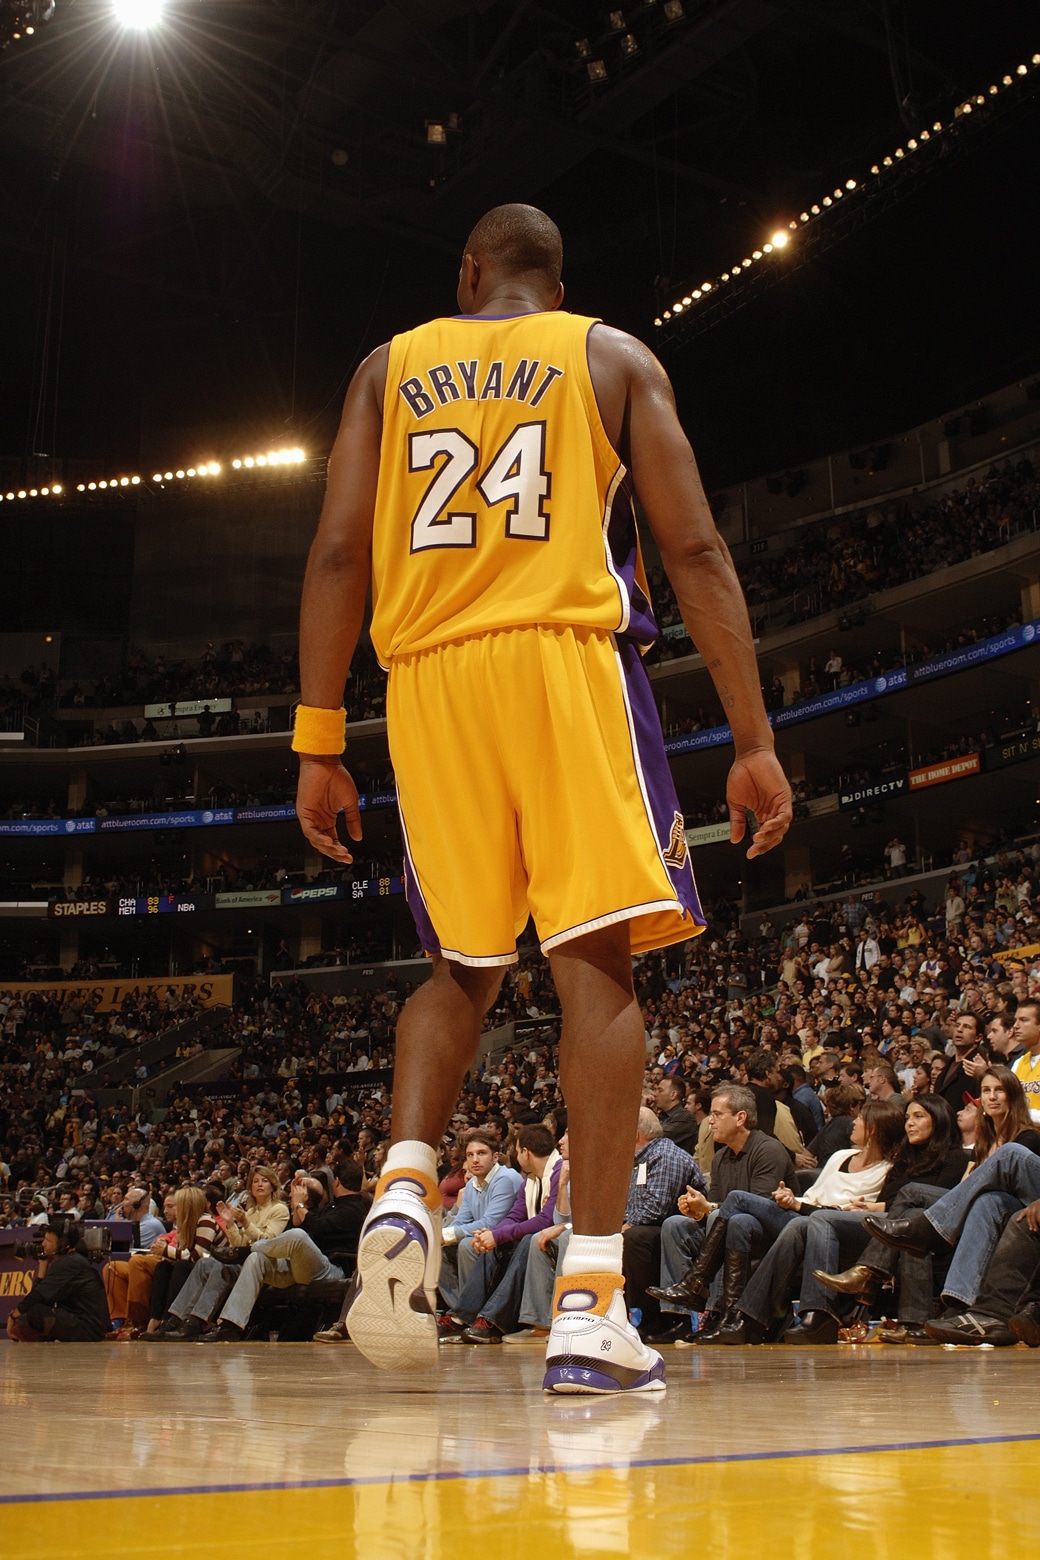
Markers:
point(676, 853)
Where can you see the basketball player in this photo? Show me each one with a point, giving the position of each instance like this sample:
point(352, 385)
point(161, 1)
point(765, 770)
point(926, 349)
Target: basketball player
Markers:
point(480, 482)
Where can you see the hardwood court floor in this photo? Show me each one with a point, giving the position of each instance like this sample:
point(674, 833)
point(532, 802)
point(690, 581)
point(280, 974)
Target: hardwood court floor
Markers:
point(276, 1452)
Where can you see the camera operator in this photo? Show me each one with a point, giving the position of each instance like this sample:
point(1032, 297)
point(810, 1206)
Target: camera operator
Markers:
point(67, 1302)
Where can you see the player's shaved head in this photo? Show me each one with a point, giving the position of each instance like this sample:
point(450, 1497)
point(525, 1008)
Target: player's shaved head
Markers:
point(519, 241)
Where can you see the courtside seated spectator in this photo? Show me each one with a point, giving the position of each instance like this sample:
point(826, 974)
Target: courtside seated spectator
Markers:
point(263, 1214)
point(486, 1198)
point(66, 1304)
point(533, 1210)
point(322, 1227)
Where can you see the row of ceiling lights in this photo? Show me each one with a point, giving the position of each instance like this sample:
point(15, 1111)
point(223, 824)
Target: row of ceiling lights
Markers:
point(782, 238)
point(55, 488)
point(211, 468)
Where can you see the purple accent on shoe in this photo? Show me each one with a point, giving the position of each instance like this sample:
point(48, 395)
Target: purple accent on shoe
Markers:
point(410, 1228)
point(657, 776)
point(574, 1370)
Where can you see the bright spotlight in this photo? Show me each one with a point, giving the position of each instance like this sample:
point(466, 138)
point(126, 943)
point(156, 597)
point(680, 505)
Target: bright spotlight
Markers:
point(138, 14)
point(779, 239)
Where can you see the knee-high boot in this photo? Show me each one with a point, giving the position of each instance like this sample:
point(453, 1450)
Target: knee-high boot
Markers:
point(692, 1289)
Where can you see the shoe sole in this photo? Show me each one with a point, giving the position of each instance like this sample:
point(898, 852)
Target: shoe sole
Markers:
point(390, 1318)
point(570, 1375)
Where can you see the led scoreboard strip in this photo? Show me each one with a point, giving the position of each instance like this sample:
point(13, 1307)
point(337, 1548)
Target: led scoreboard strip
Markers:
point(158, 904)
point(376, 888)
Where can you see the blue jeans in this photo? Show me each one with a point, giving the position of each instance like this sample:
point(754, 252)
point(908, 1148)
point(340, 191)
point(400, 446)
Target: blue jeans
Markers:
point(754, 1222)
point(775, 1280)
point(836, 1239)
point(503, 1308)
point(681, 1240)
point(1012, 1169)
point(980, 1236)
point(209, 1284)
point(540, 1281)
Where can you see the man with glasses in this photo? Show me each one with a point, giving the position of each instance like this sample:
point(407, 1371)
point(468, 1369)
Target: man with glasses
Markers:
point(746, 1160)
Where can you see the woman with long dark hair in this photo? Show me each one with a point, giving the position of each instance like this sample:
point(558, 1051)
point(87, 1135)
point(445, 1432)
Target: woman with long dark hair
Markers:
point(1003, 1119)
point(1003, 1114)
point(927, 1153)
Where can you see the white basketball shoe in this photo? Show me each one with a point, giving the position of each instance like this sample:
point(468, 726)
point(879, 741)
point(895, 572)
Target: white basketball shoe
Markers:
point(593, 1347)
point(392, 1302)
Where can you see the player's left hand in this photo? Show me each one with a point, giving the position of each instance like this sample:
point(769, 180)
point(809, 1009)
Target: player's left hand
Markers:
point(325, 789)
point(757, 784)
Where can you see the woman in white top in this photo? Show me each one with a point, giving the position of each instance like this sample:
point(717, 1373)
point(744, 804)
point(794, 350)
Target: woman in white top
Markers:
point(747, 1224)
point(265, 1213)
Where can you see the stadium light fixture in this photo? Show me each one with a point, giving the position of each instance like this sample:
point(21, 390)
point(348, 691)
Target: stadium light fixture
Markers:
point(138, 15)
point(850, 186)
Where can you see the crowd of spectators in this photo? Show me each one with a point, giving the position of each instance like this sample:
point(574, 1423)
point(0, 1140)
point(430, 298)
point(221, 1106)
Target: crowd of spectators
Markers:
point(866, 991)
point(836, 563)
point(215, 794)
point(825, 676)
point(833, 564)
point(234, 671)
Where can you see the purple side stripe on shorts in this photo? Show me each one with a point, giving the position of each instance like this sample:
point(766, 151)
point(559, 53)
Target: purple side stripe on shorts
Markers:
point(622, 539)
point(414, 896)
point(657, 776)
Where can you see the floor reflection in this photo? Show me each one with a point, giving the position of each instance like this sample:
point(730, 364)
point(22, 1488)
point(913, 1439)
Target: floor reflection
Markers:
point(306, 1448)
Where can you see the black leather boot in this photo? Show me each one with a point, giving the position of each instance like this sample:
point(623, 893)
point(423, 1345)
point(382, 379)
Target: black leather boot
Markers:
point(692, 1288)
point(813, 1327)
point(737, 1328)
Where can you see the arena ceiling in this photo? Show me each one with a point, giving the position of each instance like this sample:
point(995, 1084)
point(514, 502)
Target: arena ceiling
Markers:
point(209, 223)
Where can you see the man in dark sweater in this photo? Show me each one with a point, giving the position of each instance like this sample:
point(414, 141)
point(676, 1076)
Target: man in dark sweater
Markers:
point(747, 1160)
point(68, 1303)
point(319, 1228)
point(953, 1083)
point(676, 1121)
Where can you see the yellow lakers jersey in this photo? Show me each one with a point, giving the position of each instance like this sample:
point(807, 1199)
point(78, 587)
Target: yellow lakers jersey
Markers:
point(501, 502)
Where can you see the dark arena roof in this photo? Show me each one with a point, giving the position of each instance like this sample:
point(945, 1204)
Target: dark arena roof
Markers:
point(209, 223)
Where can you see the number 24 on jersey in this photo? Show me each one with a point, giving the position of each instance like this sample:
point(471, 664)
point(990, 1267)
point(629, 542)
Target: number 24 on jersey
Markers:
point(515, 476)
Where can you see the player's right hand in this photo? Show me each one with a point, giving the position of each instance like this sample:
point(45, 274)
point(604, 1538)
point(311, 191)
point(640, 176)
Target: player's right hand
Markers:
point(758, 785)
point(325, 789)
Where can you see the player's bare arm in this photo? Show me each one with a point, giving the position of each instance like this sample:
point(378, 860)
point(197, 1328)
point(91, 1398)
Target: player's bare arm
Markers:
point(638, 409)
point(335, 586)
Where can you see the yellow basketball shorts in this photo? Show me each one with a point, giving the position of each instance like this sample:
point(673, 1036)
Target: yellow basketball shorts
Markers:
point(531, 777)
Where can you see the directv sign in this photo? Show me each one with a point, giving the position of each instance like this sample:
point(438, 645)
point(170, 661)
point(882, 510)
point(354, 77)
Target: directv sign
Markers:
point(869, 791)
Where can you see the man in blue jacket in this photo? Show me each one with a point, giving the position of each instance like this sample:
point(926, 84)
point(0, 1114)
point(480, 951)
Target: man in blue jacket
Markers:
point(533, 1209)
point(485, 1199)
